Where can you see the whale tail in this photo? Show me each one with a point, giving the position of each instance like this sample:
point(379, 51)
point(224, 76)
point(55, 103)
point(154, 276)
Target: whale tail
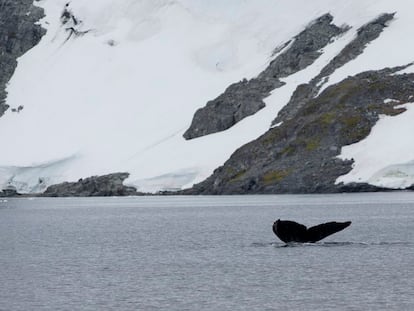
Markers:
point(321, 231)
point(290, 231)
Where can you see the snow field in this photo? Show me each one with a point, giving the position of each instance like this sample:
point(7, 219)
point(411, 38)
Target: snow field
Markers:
point(120, 97)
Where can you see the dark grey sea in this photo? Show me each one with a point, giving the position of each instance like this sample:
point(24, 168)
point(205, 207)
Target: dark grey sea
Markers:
point(205, 253)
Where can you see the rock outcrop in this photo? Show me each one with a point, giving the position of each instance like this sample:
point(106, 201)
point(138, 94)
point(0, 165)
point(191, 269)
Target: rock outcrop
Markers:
point(96, 186)
point(245, 98)
point(300, 155)
point(9, 193)
point(356, 47)
point(19, 32)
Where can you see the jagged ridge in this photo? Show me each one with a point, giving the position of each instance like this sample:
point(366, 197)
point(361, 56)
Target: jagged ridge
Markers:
point(356, 47)
point(245, 98)
point(300, 156)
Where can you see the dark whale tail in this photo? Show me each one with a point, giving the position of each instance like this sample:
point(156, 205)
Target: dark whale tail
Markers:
point(290, 231)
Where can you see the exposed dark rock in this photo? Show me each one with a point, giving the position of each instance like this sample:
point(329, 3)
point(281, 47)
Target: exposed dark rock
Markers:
point(71, 23)
point(290, 231)
point(67, 17)
point(356, 47)
point(361, 187)
point(9, 193)
point(305, 48)
point(245, 98)
point(107, 185)
point(300, 155)
point(18, 33)
point(238, 101)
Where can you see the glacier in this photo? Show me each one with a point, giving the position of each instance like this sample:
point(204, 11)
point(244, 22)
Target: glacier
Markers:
point(118, 94)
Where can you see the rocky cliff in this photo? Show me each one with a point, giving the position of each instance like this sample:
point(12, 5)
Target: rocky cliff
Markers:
point(19, 32)
point(95, 186)
point(301, 154)
point(245, 98)
point(182, 95)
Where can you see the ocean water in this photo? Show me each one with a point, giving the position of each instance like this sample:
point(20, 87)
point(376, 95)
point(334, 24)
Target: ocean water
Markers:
point(205, 253)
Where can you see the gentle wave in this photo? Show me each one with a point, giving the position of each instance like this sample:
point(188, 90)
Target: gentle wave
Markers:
point(329, 244)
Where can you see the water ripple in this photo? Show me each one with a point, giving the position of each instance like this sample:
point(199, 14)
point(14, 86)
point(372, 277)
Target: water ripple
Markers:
point(330, 244)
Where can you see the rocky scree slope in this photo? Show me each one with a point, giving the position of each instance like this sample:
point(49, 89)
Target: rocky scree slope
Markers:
point(300, 155)
point(245, 98)
point(356, 47)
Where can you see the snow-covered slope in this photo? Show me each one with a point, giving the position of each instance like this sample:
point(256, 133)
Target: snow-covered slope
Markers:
point(386, 157)
point(116, 93)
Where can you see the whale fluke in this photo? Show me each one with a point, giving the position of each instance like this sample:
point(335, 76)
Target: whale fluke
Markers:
point(290, 231)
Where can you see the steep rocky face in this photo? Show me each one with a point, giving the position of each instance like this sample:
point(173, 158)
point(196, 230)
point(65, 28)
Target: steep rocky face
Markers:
point(245, 98)
point(356, 47)
point(9, 193)
point(107, 185)
point(18, 33)
point(300, 155)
